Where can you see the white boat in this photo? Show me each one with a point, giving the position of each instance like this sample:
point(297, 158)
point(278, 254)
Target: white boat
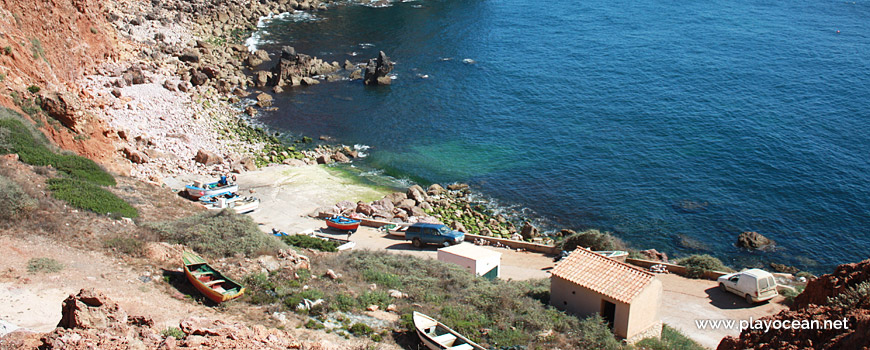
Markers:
point(200, 189)
point(241, 205)
point(437, 336)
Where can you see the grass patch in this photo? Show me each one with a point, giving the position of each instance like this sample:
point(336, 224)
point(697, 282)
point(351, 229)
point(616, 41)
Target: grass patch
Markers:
point(44, 265)
point(31, 150)
point(305, 241)
point(88, 196)
point(218, 234)
point(671, 339)
point(173, 332)
point(13, 200)
point(36, 48)
point(697, 265)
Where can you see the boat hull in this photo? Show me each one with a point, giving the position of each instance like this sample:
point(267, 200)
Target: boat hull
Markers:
point(196, 192)
point(207, 291)
point(344, 225)
point(423, 322)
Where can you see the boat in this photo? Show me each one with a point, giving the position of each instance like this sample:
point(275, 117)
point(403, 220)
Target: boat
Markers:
point(343, 223)
point(199, 189)
point(437, 336)
point(239, 204)
point(208, 281)
point(343, 244)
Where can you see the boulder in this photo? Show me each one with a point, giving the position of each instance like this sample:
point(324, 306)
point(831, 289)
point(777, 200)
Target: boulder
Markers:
point(210, 71)
point(198, 78)
point(90, 309)
point(62, 107)
point(458, 226)
point(340, 157)
point(261, 78)
point(189, 55)
point(364, 208)
point(324, 159)
point(248, 163)
point(529, 231)
point(348, 65)
point(135, 156)
point(384, 204)
point(435, 190)
point(416, 193)
point(457, 187)
point(655, 255)
point(396, 197)
point(169, 85)
point(207, 158)
point(264, 100)
point(753, 240)
point(309, 81)
point(378, 69)
point(355, 75)
point(136, 75)
point(408, 203)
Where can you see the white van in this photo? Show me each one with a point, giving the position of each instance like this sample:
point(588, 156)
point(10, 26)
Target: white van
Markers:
point(754, 285)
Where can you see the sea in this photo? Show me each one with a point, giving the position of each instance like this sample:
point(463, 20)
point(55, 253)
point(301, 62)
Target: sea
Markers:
point(675, 125)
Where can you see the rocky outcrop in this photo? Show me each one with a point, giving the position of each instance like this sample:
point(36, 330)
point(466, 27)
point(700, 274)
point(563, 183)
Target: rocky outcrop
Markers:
point(294, 69)
point(62, 107)
point(207, 157)
point(818, 290)
point(852, 330)
point(529, 231)
point(378, 70)
point(753, 240)
point(90, 309)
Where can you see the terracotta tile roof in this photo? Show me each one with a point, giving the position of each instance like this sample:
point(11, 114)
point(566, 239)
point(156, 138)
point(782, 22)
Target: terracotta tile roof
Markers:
point(609, 277)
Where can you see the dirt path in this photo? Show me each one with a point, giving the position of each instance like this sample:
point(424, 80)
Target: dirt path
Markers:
point(33, 300)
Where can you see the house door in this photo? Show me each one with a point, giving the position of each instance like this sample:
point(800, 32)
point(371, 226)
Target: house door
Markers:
point(492, 274)
point(608, 312)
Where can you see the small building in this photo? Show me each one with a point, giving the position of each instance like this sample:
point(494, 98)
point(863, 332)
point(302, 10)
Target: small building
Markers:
point(628, 298)
point(477, 260)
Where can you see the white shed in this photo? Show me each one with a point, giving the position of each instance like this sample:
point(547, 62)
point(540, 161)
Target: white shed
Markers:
point(475, 259)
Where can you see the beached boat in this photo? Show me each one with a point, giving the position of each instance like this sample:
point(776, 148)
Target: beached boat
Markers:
point(343, 223)
point(437, 336)
point(239, 204)
point(208, 281)
point(199, 189)
point(343, 244)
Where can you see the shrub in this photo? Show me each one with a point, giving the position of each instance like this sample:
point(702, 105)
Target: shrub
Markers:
point(596, 334)
point(594, 240)
point(382, 278)
point(374, 297)
point(173, 332)
point(857, 296)
point(314, 324)
point(697, 265)
point(87, 196)
point(671, 339)
point(358, 329)
point(48, 265)
point(20, 139)
point(127, 245)
point(13, 200)
point(218, 234)
point(33, 89)
point(2, 76)
point(305, 241)
point(344, 302)
point(790, 294)
point(7, 50)
point(36, 48)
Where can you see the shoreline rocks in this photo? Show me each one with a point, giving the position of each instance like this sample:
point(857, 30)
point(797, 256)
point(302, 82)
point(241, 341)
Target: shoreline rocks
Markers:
point(754, 241)
point(378, 70)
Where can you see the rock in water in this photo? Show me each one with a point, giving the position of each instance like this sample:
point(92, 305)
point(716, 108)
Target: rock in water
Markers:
point(529, 231)
point(377, 70)
point(753, 240)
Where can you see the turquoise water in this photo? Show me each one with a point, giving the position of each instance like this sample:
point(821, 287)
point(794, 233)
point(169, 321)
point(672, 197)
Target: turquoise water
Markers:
point(675, 125)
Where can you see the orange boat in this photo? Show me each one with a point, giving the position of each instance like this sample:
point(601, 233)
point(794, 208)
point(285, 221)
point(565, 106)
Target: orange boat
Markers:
point(209, 281)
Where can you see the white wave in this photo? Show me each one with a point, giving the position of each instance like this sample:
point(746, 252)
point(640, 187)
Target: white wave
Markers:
point(256, 40)
point(366, 45)
point(360, 149)
point(469, 61)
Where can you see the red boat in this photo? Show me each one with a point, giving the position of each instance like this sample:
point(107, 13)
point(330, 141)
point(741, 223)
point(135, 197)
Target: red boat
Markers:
point(343, 223)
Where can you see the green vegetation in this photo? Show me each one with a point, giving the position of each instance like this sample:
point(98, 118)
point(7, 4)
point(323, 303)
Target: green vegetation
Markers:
point(305, 241)
point(94, 30)
point(27, 105)
point(790, 294)
point(671, 339)
point(46, 265)
point(242, 131)
point(359, 329)
point(88, 196)
point(698, 265)
point(173, 332)
point(857, 296)
point(33, 89)
point(2, 77)
point(314, 324)
point(511, 312)
point(20, 139)
point(594, 240)
point(36, 48)
point(218, 234)
point(13, 200)
point(7, 50)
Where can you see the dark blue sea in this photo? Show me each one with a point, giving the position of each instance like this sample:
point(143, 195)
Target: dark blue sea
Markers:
point(675, 125)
